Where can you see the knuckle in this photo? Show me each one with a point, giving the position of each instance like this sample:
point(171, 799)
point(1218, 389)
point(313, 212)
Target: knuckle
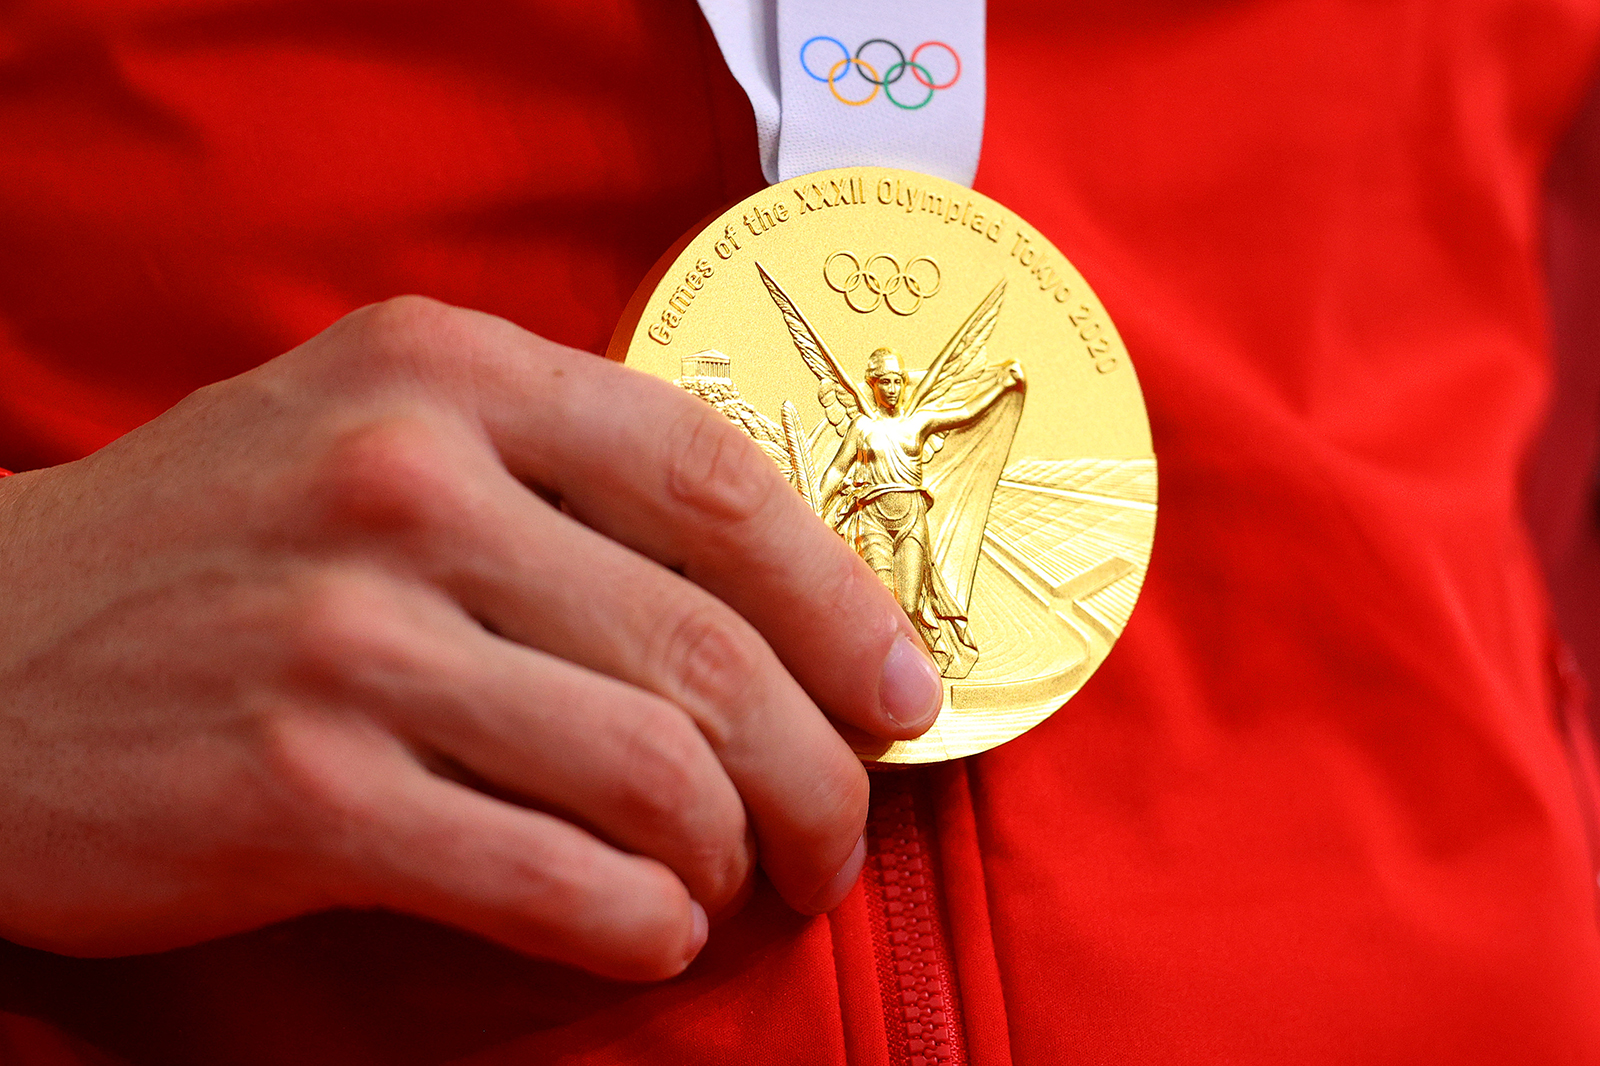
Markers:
point(835, 808)
point(405, 338)
point(335, 631)
point(404, 325)
point(860, 599)
point(668, 794)
point(713, 468)
point(659, 758)
point(308, 790)
point(714, 661)
point(386, 478)
point(844, 578)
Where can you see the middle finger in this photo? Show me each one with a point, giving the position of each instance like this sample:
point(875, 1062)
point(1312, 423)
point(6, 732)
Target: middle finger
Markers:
point(543, 579)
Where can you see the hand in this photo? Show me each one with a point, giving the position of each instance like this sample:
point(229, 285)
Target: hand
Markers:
point(432, 614)
point(1014, 375)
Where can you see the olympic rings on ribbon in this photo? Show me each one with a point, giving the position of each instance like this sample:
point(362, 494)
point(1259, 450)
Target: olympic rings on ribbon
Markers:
point(868, 73)
point(847, 61)
point(883, 276)
point(937, 44)
point(919, 72)
point(900, 63)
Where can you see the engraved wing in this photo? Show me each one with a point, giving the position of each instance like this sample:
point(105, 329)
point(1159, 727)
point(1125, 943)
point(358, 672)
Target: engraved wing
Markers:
point(838, 395)
point(959, 369)
point(839, 406)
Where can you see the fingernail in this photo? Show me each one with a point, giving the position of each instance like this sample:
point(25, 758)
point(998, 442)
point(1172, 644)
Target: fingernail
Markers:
point(740, 898)
point(746, 889)
point(839, 885)
point(702, 929)
point(910, 691)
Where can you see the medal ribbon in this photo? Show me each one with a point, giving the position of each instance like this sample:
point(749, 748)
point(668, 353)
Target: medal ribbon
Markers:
point(837, 83)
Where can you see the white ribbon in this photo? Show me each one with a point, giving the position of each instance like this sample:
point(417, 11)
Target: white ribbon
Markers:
point(837, 83)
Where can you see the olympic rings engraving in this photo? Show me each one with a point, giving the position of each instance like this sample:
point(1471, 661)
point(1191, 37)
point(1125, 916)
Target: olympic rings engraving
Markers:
point(883, 278)
point(852, 62)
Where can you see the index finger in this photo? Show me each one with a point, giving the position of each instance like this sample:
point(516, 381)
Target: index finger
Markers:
point(662, 472)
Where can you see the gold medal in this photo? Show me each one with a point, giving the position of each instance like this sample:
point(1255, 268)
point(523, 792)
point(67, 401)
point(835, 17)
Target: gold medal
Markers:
point(946, 391)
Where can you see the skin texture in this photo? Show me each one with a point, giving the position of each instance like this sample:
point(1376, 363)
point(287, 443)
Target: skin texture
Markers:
point(435, 615)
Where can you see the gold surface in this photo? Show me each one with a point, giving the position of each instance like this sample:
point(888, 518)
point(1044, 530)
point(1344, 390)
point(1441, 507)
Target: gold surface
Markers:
point(946, 391)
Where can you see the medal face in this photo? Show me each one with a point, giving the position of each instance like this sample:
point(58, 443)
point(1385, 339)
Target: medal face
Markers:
point(945, 391)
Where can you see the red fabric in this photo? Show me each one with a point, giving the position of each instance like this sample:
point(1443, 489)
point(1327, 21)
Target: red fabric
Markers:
point(1563, 482)
point(28, 1040)
point(1314, 809)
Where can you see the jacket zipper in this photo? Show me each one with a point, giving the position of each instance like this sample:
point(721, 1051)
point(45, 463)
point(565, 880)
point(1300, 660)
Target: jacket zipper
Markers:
point(910, 930)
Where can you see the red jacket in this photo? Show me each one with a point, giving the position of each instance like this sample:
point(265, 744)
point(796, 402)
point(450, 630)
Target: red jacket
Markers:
point(1316, 807)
